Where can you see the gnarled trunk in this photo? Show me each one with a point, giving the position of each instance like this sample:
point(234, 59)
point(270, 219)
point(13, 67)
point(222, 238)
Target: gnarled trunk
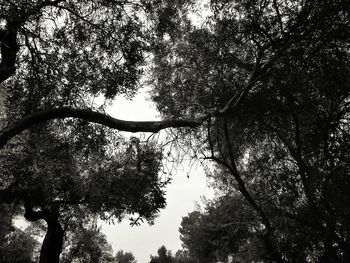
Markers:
point(53, 241)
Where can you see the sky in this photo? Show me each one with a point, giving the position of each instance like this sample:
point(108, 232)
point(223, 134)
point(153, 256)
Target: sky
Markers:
point(183, 194)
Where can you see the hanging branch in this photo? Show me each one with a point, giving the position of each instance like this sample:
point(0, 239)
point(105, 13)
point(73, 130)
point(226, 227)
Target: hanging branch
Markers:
point(95, 117)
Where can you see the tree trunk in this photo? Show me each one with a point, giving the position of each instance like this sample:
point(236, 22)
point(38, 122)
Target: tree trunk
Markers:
point(53, 242)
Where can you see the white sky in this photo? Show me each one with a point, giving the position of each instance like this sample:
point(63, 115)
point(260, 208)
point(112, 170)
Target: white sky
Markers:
point(182, 195)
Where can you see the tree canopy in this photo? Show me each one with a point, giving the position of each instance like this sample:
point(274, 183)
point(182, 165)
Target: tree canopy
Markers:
point(57, 59)
point(124, 257)
point(278, 74)
point(165, 256)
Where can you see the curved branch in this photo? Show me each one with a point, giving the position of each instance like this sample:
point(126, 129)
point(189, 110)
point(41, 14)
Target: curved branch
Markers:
point(274, 253)
point(30, 214)
point(8, 38)
point(96, 117)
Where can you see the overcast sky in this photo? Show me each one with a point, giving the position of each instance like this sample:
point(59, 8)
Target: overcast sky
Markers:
point(182, 195)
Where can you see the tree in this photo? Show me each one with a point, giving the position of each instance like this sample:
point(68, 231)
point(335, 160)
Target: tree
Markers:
point(182, 256)
point(224, 229)
point(18, 248)
point(64, 184)
point(277, 73)
point(124, 257)
point(197, 238)
point(164, 256)
point(87, 244)
point(15, 245)
point(57, 56)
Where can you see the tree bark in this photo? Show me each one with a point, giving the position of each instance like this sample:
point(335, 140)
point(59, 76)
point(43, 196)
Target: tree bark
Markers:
point(53, 242)
point(95, 117)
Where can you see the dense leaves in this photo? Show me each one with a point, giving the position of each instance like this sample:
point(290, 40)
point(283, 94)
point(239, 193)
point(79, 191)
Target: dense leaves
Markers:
point(60, 173)
point(87, 244)
point(79, 54)
point(15, 245)
point(277, 74)
point(224, 229)
point(18, 248)
point(124, 257)
point(165, 256)
point(73, 47)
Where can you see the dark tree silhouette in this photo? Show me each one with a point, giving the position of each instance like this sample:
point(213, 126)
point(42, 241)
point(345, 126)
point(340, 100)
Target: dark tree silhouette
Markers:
point(164, 256)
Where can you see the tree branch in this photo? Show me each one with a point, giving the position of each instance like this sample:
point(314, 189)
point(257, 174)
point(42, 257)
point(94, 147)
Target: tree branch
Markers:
point(96, 117)
point(32, 215)
point(275, 5)
point(241, 185)
point(274, 253)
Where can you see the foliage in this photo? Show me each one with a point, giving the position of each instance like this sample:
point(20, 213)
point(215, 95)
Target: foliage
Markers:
point(270, 76)
point(16, 246)
point(57, 173)
point(87, 244)
point(75, 47)
point(225, 229)
point(275, 77)
point(124, 257)
point(164, 256)
point(58, 54)
point(182, 256)
point(19, 248)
